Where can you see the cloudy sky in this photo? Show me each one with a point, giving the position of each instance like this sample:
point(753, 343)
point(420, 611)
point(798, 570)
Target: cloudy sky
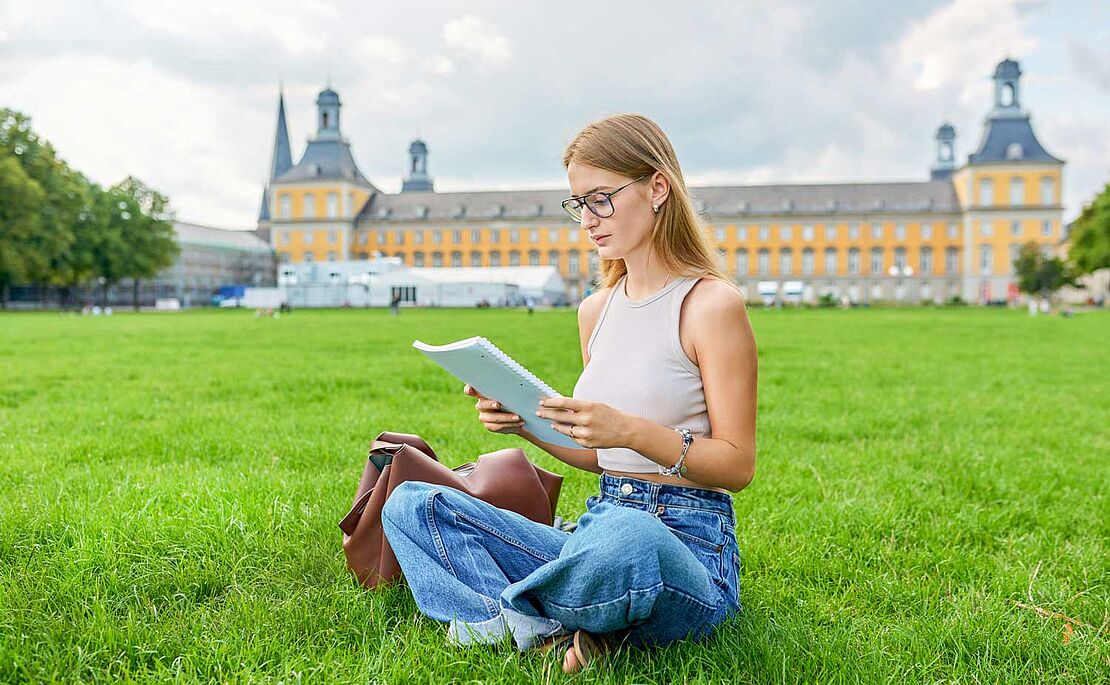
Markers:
point(184, 94)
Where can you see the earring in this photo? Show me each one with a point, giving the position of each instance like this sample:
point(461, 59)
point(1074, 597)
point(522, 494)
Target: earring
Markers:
point(655, 208)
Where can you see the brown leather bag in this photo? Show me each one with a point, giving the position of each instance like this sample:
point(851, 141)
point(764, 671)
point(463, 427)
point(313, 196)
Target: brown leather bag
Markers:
point(504, 478)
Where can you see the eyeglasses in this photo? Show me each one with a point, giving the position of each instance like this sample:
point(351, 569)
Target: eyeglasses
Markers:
point(600, 203)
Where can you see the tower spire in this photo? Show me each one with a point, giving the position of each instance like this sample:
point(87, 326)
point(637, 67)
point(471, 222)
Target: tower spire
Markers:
point(282, 160)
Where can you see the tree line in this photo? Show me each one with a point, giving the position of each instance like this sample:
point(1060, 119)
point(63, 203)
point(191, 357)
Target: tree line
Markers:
point(59, 228)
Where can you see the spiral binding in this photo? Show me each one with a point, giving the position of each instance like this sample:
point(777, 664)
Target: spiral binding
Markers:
point(515, 366)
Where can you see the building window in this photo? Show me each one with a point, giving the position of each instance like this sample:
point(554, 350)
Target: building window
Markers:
point(1017, 191)
point(1046, 228)
point(331, 256)
point(741, 233)
point(476, 236)
point(456, 237)
point(284, 238)
point(401, 256)
point(437, 259)
point(986, 192)
point(876, 231)
point(764, 233)
point(951, 260)
point(456, 259)
point(594, 263)
point(514, 236)
point(418, 259)
point(926, 231)
point(309, 257)
point(1048, 190)
point(475, 258)
point(418, 237)
point(853, 231)
point(763, 261)
point(807, 233)
point(286, 206)
point(1015, 252)
point(786, 261)
point(1015, 228)
point(876, 260)
point(830, 232)
point(986, 229)
point(900, 257)
point(722, 258)
point(953, 231)
point(283, 257)
point(381, 237)
point(720, 235)
point(495, 258)
point(572, 262)
point(331, 237)
point(309, 206)
point(495, 235)
point(333, 205)
point(308, 237)
point(437, 237)
point(925, 265)
point(533, 235)
point(830, 261)
point(399, 237)
point(787, 233)
point(553, 235)
point(853, 260)
point(985, 258)
point(553, 258)
point(807, 260)
point(514, 257)
point(533, 257)
point(363, 238)
point(742, 262)
point(899, 231)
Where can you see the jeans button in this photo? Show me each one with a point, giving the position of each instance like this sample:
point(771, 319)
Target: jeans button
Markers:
point(626, 489)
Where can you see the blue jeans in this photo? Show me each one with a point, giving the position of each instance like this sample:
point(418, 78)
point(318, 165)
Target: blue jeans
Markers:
point(648, 563)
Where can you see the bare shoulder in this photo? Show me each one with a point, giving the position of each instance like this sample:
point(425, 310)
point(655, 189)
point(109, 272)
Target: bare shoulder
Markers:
point(712, 297)
point(590, 308)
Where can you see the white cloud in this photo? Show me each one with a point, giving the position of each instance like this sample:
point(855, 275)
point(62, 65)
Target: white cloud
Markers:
point(382, 49)
point(470, 34)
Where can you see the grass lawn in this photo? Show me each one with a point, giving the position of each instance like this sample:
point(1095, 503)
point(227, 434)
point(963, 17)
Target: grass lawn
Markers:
point(171, 485)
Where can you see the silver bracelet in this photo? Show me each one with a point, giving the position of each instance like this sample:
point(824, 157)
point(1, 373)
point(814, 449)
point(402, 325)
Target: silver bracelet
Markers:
point(679, 468)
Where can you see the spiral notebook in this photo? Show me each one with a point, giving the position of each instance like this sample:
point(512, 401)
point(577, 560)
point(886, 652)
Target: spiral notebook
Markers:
point(485, 367)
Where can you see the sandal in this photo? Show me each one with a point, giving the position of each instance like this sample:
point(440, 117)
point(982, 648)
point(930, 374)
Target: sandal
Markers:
point(588, 647)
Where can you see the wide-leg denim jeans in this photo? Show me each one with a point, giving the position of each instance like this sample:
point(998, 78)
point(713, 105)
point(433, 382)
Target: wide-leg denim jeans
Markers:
point(649, 563)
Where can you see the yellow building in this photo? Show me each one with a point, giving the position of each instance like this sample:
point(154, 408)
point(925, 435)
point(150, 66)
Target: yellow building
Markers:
point(954, 234)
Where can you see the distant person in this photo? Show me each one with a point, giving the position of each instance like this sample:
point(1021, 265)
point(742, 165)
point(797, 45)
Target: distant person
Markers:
point(395, 304)
point(1032, 306)
point(655, 557)
point(530, 304)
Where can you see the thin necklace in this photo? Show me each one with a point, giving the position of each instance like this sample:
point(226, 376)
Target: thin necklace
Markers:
point(660, 287)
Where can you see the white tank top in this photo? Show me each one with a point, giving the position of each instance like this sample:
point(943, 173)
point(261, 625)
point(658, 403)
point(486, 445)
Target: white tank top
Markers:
point(637, 365)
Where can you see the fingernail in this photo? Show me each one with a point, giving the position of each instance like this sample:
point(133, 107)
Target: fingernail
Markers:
point(496, 405)
point(516, 418)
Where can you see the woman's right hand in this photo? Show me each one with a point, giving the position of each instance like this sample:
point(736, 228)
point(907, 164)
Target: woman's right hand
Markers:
point(492, 416)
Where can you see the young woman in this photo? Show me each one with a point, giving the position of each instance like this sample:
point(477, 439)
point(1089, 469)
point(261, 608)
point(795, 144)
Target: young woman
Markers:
point(664, 411)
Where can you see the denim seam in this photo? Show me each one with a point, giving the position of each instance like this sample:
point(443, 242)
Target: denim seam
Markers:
point(505, 538)
point(636, 591)
point(441, 550)
point(712, 546)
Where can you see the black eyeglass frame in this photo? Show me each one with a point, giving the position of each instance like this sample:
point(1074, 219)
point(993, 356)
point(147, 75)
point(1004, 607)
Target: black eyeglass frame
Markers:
point(608, 198)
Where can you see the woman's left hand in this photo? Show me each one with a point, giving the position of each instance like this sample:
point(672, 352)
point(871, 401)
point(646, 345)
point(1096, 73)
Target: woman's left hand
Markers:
point(595, 424)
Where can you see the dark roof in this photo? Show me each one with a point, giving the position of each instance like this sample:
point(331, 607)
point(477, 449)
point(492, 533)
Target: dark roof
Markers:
point(326, 159)
point(946, 131)
point(771, 200)
point(417, 146)
point(264, 210)
point(283, 159)
point(327, 96)
point(1007, 68)
point(1003, 131)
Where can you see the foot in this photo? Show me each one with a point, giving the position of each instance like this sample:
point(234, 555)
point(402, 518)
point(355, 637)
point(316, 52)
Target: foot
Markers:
point(584, 649)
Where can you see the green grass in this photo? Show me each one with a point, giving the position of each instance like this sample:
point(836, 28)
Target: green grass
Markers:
point(172, 484)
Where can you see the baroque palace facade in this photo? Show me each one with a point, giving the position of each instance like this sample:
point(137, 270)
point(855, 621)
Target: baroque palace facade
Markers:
point(954, 234)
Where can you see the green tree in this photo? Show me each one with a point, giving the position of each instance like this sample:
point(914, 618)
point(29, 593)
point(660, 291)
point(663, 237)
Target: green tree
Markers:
point(1038, 274)
point(1090, 236)
point(147, 232)
point(20, 202)
point(63, 197)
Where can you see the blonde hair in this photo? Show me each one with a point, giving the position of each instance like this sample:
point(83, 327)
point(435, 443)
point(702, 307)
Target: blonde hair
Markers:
point(633, 145)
